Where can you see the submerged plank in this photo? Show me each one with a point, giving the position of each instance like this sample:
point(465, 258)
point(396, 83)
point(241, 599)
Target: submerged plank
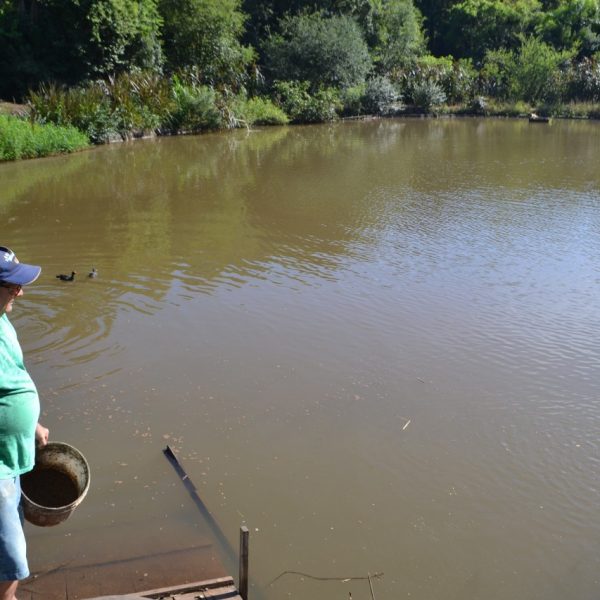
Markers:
point(131, 576)
point(222, 588)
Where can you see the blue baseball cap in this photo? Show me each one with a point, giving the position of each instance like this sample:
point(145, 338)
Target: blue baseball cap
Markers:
point(15, 272)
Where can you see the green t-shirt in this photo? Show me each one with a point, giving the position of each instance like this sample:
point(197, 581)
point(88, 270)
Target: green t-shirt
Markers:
point(19, 406)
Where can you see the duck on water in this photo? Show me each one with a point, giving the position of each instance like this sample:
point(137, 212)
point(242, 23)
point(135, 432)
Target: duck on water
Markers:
point(67, 277)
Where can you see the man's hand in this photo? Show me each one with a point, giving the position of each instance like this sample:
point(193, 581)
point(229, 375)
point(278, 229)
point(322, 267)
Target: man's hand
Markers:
point(41, 435)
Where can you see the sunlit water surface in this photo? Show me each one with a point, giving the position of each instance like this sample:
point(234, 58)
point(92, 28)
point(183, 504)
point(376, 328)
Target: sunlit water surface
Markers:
point(375, 344)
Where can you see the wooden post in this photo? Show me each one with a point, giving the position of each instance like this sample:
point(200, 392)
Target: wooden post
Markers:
point(243, 581)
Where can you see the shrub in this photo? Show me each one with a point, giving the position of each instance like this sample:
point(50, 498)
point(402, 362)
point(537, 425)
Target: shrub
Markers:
point(194, 107)
point(22, 139)
point(478, 105)
point(380, 96)
point(460, 83)
point(427, 95)
point(457, 79)
point(351, 100)
point(259, 111)
point(583, 80)
point(495, 73)
point(536, 73)
point(303, 107)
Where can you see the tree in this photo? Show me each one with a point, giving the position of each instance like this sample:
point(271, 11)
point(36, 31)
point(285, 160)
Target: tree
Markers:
point(435, 15)
point(325, 51)
point(393, 29)
point(206, 34)
point(476, 26)
point(123, 33)
point(264, 16)
point(67, 41)
point(572, 25)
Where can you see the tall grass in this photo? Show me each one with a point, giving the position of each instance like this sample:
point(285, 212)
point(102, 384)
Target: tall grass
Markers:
point(89, 109)
point(124, 106)
point(23, 139)
point(194, 108)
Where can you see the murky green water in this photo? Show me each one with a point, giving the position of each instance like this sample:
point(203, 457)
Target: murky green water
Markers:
point(376, 344)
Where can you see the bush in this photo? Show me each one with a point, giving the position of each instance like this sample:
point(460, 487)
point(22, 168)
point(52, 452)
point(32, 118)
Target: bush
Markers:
point(495, 74)
point(460, 83)
point(536, 73)
point(22, 139)
point(351, 100)
point(478, 105)
point(259, 111)
point(427, 95)
point(583, 80)
point(194, 108)
point(380, 96)
point(457, 79)
point(302, 107)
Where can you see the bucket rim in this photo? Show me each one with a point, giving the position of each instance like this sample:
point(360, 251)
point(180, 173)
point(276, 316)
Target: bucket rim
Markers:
point(77, 501)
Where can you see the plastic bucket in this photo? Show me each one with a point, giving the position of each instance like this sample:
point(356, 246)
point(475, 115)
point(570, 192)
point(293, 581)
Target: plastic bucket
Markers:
point(56, 486)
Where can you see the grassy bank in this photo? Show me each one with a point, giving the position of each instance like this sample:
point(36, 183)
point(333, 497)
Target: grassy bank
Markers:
point(22, 139)
point(568, 110)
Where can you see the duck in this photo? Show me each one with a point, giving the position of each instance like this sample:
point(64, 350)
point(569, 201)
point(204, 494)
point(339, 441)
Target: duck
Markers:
point(67, 277)
point(93, 272)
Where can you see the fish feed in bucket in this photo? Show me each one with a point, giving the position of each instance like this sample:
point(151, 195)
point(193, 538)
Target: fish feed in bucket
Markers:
point(56, 486)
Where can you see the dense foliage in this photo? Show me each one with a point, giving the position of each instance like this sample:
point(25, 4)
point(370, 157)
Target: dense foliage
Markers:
point(205, 35)
point(326, 51)
point(118, 68)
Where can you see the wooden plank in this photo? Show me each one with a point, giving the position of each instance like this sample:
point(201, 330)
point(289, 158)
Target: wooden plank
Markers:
point(194, 586)
point(221, 588)
point(130, 576)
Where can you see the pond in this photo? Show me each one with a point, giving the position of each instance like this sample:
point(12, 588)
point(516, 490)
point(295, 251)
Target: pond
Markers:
point(374, 343)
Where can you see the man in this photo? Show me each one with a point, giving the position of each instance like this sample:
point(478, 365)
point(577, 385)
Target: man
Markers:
point(19, 427)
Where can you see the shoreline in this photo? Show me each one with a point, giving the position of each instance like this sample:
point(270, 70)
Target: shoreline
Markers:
point(20, 111)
